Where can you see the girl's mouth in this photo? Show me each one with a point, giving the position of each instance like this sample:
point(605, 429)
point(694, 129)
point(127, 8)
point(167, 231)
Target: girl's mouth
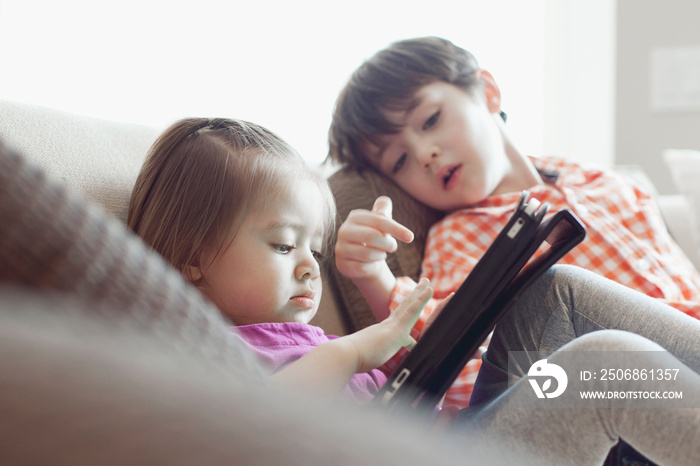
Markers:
point(304, 301)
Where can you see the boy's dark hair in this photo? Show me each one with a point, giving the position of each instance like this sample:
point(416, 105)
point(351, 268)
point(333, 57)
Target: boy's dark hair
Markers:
point(389, 81)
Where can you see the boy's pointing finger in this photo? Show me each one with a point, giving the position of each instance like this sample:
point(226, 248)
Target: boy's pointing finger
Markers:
point(383, 206)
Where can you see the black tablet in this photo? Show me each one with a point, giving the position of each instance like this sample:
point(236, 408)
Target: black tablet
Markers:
point(504, 270)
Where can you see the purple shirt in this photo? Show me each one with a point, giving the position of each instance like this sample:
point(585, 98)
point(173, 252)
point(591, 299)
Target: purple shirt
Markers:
point(279, 344)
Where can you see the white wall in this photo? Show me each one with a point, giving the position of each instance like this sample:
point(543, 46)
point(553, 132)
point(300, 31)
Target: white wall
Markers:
point(579, 80)
point(642, 133)
point(279, 63)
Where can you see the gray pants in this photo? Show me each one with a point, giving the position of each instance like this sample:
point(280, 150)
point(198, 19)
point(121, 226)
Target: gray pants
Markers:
point(570, 309)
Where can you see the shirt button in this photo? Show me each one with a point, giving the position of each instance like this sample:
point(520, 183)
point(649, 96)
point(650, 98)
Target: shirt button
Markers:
point(581, 209)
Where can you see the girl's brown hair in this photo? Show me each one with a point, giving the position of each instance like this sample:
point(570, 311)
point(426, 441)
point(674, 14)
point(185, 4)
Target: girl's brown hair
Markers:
point(201, 179)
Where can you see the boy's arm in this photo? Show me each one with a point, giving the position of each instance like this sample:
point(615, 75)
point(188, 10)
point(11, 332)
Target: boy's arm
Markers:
point(325, 371)
point(364, 240)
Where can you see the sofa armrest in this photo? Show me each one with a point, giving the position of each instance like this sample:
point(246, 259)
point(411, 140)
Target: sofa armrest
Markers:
point(99, 159)
point(676, 211)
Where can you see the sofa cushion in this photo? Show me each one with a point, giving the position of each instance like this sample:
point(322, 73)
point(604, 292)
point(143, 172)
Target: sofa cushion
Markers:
point(684, 166)
point(98, 158)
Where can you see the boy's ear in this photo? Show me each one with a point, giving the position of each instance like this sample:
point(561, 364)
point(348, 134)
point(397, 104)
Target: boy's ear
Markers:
point(491, 90)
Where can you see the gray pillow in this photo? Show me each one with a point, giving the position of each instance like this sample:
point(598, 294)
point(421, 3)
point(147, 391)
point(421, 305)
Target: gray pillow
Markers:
point(52, 240)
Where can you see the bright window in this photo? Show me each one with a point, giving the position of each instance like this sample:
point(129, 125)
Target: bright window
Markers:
point(278, 63)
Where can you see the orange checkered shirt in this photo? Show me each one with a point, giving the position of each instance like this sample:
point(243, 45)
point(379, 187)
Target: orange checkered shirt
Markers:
point(627, 241)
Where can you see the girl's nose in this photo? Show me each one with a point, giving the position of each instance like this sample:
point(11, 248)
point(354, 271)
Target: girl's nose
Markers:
point(308, 268)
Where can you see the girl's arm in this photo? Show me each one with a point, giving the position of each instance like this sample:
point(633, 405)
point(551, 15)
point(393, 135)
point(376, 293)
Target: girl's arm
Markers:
point(325, 371)
point(364, 240)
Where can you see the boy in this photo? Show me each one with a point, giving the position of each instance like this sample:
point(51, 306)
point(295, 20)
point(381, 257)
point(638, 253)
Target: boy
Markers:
point(423, 113)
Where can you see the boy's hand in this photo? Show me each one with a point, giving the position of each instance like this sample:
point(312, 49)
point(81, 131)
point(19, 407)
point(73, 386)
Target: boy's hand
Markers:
point(365, 239)
point(377, 343)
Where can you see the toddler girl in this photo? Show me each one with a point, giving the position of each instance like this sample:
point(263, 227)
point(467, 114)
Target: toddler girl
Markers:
point(238, 212)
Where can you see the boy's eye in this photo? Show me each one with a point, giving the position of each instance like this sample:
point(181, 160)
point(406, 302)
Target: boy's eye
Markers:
point(399, 163)
point(432, 120)
point(318, 256)
point(283, 248)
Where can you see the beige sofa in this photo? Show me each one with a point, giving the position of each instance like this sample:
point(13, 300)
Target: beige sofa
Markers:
point(101, 159)
point(102, 368)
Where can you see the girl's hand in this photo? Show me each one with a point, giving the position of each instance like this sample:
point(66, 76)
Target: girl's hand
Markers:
point(377, 343)
point(325, 371)
point(365, 239)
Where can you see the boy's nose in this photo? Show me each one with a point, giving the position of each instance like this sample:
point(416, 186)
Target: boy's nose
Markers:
point(429, 157)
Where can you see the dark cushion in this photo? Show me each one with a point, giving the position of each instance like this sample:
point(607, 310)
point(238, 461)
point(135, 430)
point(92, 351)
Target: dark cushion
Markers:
point(355, 190)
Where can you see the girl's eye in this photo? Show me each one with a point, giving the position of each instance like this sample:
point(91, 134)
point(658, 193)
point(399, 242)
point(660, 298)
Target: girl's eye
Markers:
point(283, 248)
point(399, 163)
point(318, 256)
point(430, 122)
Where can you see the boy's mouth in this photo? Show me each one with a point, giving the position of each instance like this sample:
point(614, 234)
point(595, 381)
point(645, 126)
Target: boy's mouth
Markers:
point(447, 173)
